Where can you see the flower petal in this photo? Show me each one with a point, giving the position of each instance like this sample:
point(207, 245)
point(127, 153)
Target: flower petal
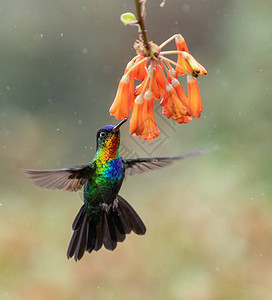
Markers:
point(140, 71)
point(180, 92)
point(140, 87)
point(195, 105)
point(196, 67)
point(172, 105)
point(184, 119)
point(150, 131)
point(136, 124)
point(158, 83)
point(181, 46)
point(124, 98)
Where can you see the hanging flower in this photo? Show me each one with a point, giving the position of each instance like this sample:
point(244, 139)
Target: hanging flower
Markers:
point(159, 80)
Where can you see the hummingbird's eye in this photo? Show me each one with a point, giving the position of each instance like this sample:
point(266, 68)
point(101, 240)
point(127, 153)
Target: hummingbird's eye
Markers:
point(102, 134)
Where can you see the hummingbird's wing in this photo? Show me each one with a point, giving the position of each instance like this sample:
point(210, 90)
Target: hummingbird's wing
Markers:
point(141, 165)
point(69, 179)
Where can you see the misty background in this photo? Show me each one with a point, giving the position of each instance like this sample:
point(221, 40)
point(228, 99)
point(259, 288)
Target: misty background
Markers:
point(208, 218)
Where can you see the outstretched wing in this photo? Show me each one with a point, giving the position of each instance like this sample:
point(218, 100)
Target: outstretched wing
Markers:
point(141, 165)
point(71, 179)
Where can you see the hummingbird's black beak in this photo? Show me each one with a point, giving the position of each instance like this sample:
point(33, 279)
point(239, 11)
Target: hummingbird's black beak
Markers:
point(116, 128)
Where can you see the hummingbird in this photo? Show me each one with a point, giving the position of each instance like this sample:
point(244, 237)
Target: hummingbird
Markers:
point(105, 217)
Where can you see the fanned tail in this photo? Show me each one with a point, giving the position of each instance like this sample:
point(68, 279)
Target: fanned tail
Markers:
point(112, 226)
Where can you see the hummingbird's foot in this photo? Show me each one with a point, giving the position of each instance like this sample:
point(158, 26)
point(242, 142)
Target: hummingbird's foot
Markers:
point(115, 204)
point(105, 207)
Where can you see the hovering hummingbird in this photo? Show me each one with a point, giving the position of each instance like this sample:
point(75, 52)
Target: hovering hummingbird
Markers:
point(105, 217)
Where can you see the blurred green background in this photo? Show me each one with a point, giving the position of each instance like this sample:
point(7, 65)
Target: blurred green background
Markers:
point(209, 218)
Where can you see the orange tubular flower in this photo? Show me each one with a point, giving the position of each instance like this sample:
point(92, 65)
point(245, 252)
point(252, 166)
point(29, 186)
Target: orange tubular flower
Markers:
point(123, 101)
point(172, 105)
point(182, 64)
point(159, 80)
point(140, 72)
point(158, 83)
point(180, 92)
point(136, 124)
point(195, 104)
point(150, 131)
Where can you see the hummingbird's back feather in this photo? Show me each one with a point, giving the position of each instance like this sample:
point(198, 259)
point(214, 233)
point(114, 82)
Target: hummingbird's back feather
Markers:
point(141, 165)
point(68, 179)
point(111, 227)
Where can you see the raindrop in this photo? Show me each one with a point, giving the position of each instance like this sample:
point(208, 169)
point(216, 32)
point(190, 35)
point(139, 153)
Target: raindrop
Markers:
point(80, 122)
point(84, 51)
point(61, 34)
point(41, 35)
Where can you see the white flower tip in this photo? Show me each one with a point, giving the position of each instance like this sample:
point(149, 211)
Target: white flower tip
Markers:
point(148, 95)
point(139, 99)
point(190, 78)
point(130, 65)
point(169, 87)
point(125, 78)
point(175, 82)
point(172, 72)
point(179, 38)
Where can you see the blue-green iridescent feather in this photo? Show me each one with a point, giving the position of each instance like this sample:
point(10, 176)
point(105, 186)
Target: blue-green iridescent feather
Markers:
point(105, 183)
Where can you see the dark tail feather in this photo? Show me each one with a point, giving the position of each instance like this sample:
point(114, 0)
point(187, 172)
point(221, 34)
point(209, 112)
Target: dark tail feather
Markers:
point(79, 218)
point(110, 228)
point(131, 216)
point(123, 220)
point(109, 234)
point(73, 243)
point(81, 244)
point(99, 235)
point(91, 237)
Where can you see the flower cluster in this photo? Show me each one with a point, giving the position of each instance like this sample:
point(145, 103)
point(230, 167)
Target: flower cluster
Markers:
point(159, 80)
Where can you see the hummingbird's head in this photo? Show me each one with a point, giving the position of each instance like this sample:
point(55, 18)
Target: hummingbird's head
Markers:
point(108, 137)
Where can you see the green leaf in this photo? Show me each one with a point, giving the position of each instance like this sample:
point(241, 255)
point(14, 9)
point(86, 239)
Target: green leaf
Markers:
point(128, 19)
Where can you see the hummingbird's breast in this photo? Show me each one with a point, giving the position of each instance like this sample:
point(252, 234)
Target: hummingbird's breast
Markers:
point(105, 183)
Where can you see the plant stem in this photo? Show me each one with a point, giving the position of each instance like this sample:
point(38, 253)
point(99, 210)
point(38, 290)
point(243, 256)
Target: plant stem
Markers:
point(141, 24)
